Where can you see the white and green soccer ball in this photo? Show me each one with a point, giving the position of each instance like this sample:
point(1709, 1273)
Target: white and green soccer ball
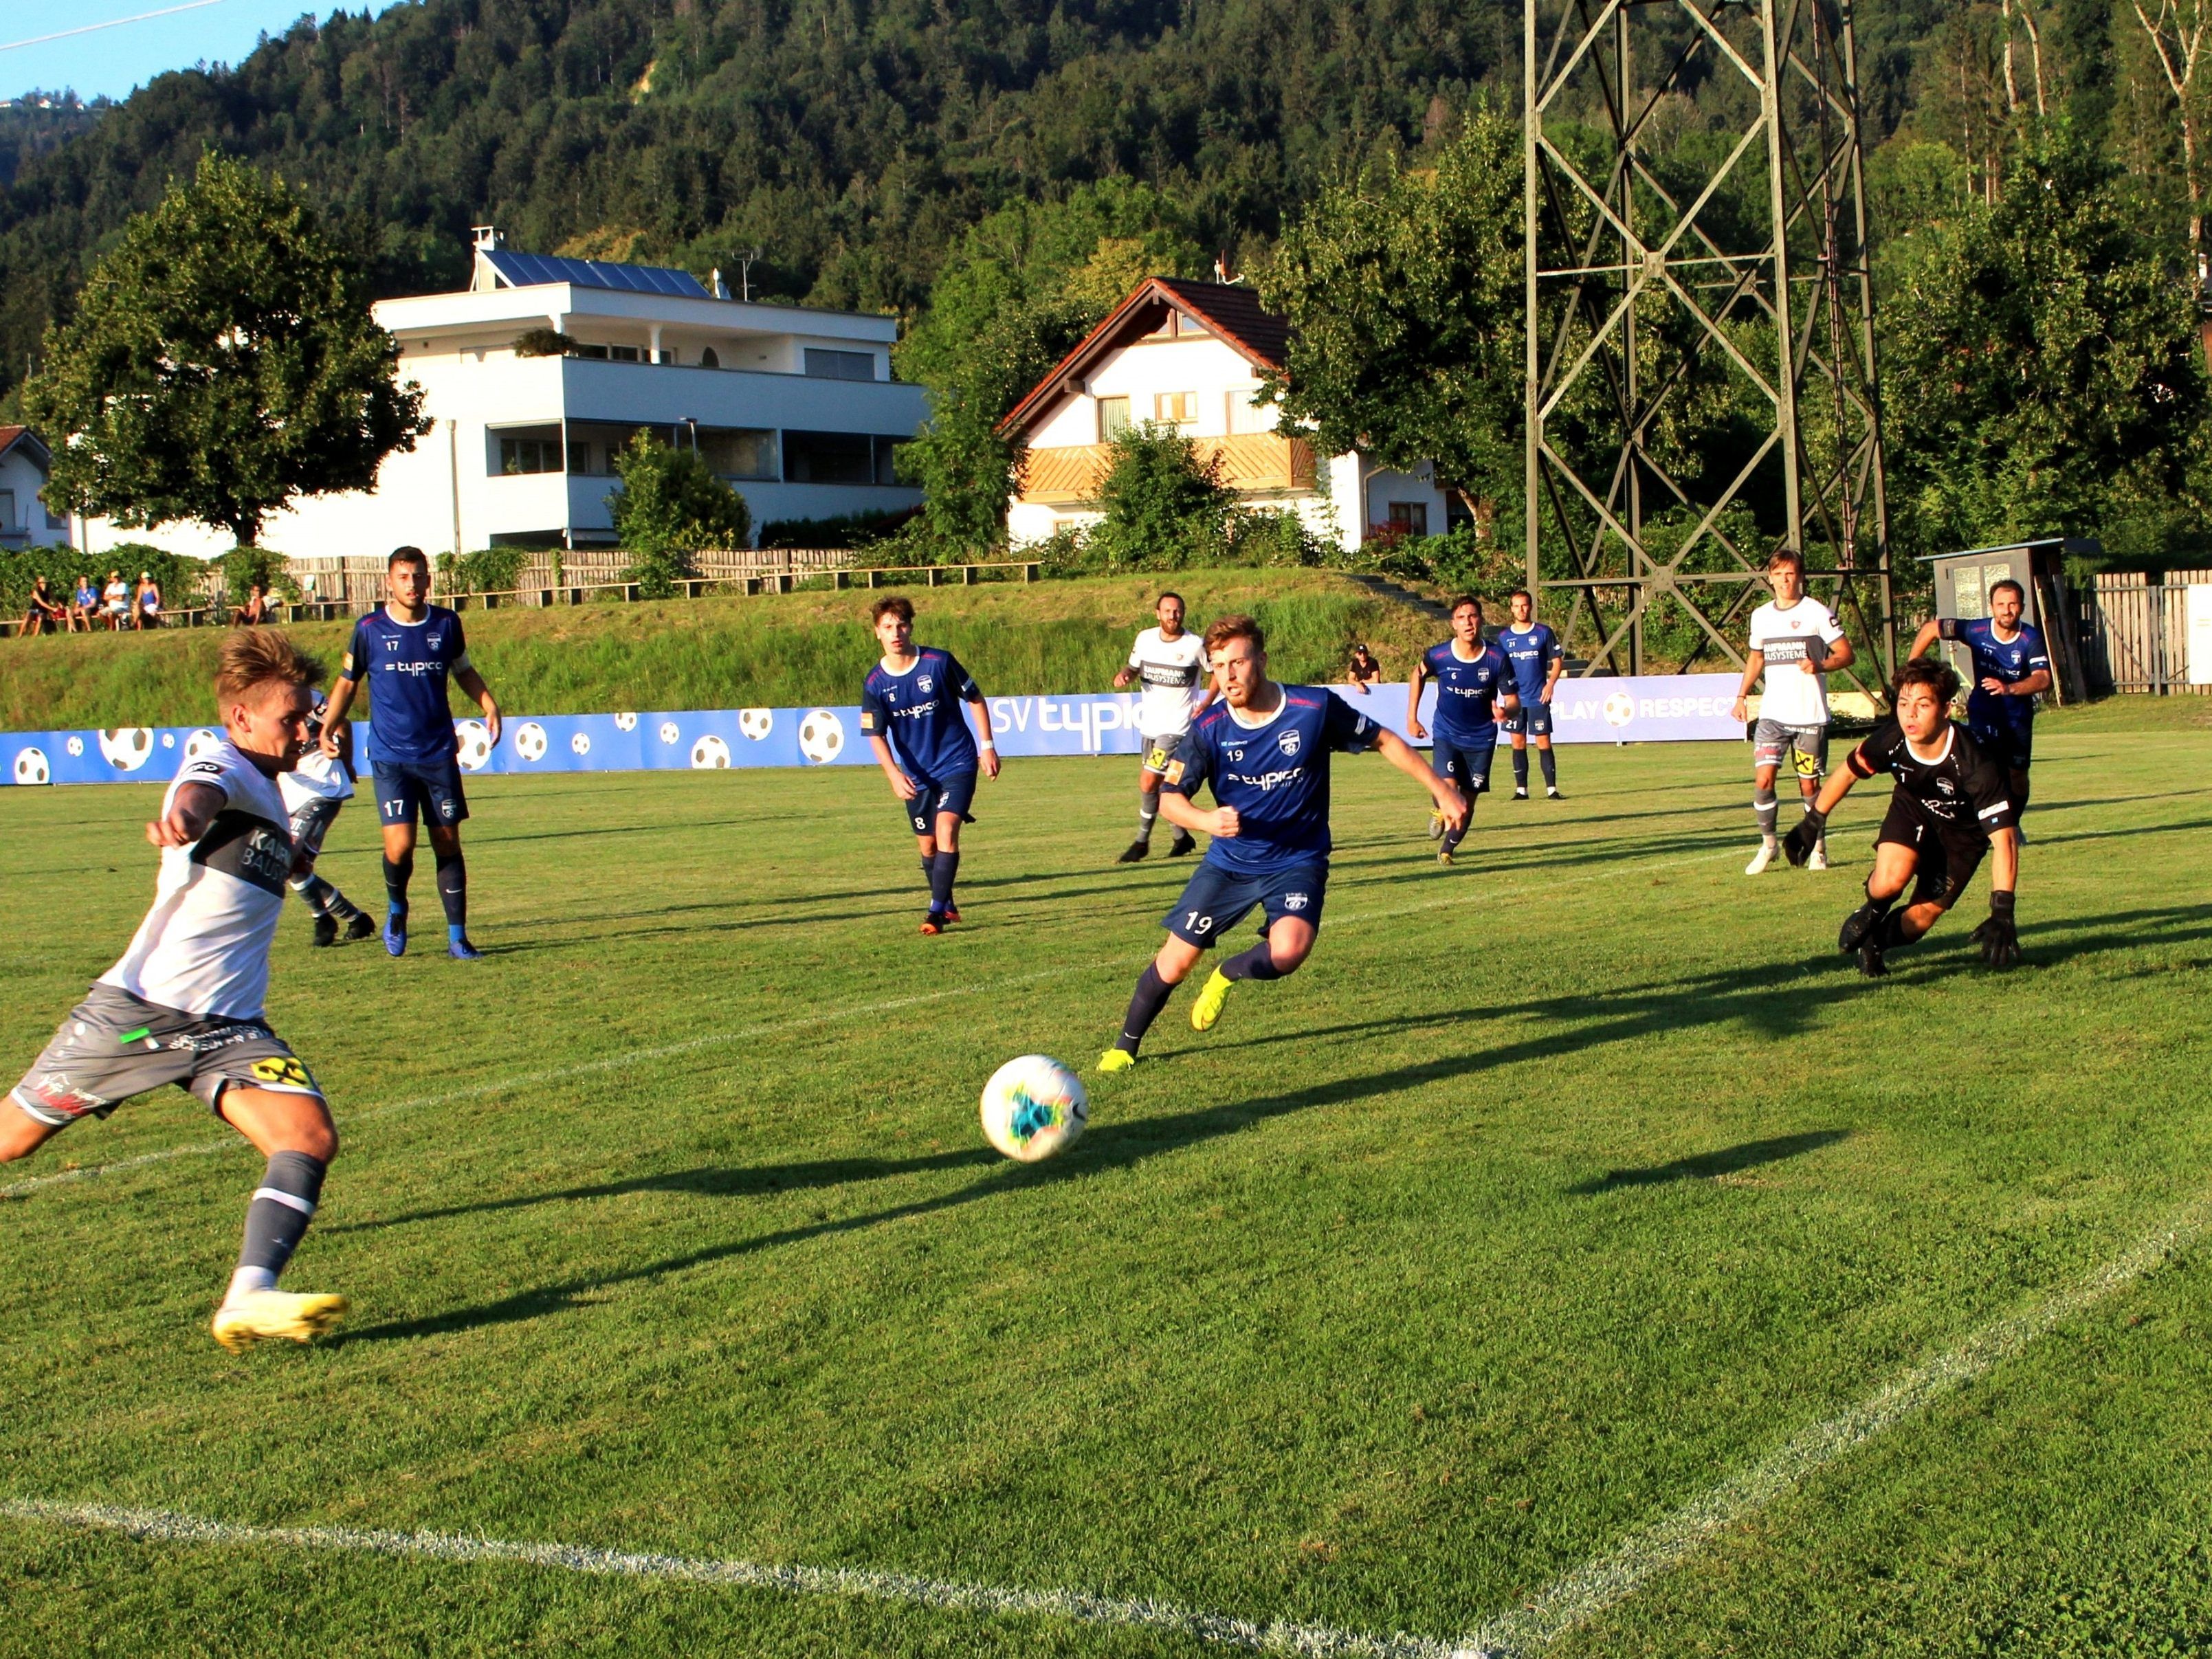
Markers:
point(1034, 1107)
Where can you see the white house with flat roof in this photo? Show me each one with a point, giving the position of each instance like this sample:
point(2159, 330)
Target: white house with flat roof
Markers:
point(796, 407)
point(24, 520)
point(1190, 356)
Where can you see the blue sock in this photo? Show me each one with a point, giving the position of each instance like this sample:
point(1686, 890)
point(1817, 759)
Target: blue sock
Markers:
point(398, 914)
point(455, 933)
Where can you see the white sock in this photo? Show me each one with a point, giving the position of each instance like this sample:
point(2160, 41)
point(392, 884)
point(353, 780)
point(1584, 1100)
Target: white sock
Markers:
point(246, 1281)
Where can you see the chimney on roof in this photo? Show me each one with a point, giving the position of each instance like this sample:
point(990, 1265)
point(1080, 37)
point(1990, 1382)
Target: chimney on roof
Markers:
point(716, 286)
point(487, 238)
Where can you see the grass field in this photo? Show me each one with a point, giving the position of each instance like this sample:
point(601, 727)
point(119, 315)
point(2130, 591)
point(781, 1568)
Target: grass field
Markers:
point(1576, 1206)
point(773, 651)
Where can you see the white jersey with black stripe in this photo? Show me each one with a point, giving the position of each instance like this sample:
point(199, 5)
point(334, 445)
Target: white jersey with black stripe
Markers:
point(204, 948)
point(1173, 672)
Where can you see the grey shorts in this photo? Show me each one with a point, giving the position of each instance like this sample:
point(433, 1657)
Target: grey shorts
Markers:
point(113, 1046)
point(311, 824)
point(1771, 743)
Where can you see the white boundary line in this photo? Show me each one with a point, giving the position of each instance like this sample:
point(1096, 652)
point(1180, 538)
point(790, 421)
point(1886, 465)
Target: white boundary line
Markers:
point(162, 1526)
point(1609, 1579)
point(25, 1188)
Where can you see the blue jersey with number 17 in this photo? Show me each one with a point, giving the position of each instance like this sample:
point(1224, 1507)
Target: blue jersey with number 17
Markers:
point(406, 666)
point(1275, 773)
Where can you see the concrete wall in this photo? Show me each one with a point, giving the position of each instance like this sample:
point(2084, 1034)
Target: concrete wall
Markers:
point(28, 525)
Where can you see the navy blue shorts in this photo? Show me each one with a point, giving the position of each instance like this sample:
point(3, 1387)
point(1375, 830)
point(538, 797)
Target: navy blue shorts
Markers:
point(432, 786)
point(933, 795)
point(1216, 900)
point(2011, 746)
point(1466, 764)
point(1530, 719)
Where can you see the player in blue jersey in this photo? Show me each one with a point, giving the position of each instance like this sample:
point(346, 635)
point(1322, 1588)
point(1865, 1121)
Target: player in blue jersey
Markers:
point(1474, 681)
point(2010, 666)
point(406, 650)
point(1264, 749)
point(1537, 659)
point(910, 708)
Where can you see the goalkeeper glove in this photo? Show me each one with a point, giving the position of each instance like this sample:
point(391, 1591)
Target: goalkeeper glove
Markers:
point(1797, 846)
point(1998, 938)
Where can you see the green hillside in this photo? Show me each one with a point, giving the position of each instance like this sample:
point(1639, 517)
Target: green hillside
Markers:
point(732, 652)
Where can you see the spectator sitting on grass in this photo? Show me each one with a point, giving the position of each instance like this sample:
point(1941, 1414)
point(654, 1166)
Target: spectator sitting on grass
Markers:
point(84, 603)
point(1365, 669)
point(44, 612)
point(115, 599)
point(146, 604)
point(254, 611)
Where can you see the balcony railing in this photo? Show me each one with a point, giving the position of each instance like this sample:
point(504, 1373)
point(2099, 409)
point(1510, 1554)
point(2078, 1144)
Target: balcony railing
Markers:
point(1251, 463)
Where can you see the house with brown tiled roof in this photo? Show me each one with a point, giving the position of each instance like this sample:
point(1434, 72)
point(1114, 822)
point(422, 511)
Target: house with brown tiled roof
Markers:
point(24, 463)
point(1191, 354)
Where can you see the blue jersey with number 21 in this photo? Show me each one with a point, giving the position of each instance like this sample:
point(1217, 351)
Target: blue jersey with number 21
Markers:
point(1275, 774)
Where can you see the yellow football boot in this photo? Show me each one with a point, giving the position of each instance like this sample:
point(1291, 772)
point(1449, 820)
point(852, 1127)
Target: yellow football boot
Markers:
point(272, 1315)
point(1208, 1008)
point(1116, 1060)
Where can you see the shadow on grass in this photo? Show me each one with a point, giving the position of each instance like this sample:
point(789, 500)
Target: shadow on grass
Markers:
point(1704, 1166)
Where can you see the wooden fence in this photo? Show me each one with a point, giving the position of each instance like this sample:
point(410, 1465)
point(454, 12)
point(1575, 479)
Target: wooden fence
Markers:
point(2135, 632)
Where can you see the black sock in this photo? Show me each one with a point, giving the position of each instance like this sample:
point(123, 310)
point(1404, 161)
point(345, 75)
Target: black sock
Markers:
point(942, 869)
point(1520, 768)
point(1148, 808)
point(1881, 906)
point(282, 1205)
point(453, 887)
point(1892, 930)
point(1551, 768)
point(315, 893)
point(1453, 837)
point(1258, 963)
point(1152, 995)
point(397, 874)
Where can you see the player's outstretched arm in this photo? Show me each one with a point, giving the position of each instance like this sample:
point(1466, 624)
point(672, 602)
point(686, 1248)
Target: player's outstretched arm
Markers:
point(1837, 656)
point(901, 784)
point(473, 683)
point(188, 817)
point(1755, 665)
point(1402, 755)
point(985, 744)
point(1930, 631)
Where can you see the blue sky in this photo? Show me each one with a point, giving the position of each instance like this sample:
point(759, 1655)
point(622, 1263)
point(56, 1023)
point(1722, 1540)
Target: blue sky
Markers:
point(115, 60)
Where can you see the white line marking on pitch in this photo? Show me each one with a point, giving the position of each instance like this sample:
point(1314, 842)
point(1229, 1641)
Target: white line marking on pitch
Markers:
point(162, 1526)
point(555, 1074)
point(1612, 1577)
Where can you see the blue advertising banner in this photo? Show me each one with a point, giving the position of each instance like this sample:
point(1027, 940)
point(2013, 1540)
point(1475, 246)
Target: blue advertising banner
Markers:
point(1648, 709)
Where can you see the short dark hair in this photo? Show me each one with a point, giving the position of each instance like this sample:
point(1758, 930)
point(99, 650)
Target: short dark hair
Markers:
point(1464, 599)
point(891, 604)
point(1238, 627)
point(1520, 594)
point(1786, 555)
point(407, 556)
point(1998, 587)
point(1937, 675)
point(1171, 594)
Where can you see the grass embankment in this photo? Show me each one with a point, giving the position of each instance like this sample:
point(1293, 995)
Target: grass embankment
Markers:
point(727, 652)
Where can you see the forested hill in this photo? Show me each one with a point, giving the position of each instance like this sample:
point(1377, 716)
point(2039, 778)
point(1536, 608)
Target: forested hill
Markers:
point(850, 140)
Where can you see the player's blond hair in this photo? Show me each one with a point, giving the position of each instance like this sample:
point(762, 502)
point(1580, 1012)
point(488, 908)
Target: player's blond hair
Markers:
point(251, 657)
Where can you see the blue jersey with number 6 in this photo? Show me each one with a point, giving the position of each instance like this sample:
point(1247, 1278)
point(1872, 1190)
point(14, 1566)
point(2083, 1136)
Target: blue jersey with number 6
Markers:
point(1275, 773)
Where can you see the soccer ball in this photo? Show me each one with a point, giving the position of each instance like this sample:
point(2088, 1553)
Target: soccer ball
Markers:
point(580, 744)
point(668, 732)
point(625, 722)
point(31, 766)
point(1033, 1107)
point(127, 747)
point(709, 752)
point(530, 741)
point(76, 746)
point(169, 740)
point(756, 723)
point(476, 745)
point(821, 735)
point(200, 743)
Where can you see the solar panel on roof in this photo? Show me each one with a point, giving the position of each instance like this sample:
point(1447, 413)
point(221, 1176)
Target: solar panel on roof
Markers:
point(523, 269)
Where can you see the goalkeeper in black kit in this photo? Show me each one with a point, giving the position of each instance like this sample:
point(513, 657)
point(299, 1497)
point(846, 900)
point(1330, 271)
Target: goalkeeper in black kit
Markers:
point(1951, 804)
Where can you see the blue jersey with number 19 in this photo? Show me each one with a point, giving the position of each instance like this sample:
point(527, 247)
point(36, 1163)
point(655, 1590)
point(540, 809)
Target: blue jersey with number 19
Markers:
point(1274, 773)
point(406, 665)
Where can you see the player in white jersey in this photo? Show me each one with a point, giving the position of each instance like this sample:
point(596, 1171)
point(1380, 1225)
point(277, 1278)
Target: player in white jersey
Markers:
point(313, 791)
point(1794, 641)
point(185, 1004)
point(1171, 665)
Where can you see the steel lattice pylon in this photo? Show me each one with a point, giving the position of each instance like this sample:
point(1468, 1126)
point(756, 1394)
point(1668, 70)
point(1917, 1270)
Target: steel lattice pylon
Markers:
point(1701, 378)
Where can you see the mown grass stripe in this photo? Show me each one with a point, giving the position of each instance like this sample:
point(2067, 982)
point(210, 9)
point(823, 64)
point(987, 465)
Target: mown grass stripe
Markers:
point(167, 1527)
point(1612, 1577)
